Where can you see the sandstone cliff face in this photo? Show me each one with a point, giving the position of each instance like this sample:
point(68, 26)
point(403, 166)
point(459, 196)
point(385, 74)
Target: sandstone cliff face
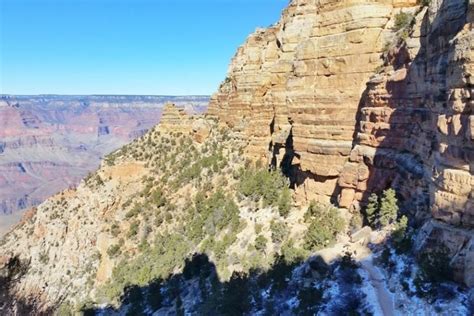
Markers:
point(294, 89)
point(303, 96)
point(413, 133)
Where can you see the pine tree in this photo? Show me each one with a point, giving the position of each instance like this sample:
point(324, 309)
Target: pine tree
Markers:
point(388, 207)
point(284, 202)
point(372, 209)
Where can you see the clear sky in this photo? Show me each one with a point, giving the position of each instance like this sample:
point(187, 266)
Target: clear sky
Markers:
point(173, 47)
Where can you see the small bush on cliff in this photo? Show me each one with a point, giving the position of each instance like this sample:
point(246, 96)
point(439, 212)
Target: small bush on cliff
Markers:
point(279, 231)
point(113, 250)
point(261, 243)
point(284, 202)
point(402, 21)
point(291, 253)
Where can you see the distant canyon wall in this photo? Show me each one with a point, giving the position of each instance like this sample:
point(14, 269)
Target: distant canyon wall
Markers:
point(48, 143)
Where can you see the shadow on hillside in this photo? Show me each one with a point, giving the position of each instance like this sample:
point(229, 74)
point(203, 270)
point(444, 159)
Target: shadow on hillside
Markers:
point(406, 151)
point(10, 274)
point(198, 290)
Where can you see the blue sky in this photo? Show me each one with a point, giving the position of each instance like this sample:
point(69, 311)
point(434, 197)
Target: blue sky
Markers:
point(174, 47)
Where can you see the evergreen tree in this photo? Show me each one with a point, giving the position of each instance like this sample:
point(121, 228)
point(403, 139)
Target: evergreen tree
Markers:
point(284, 202)
point(400, 229)
point(388, 207)
point(261, 243)
point(372, 209)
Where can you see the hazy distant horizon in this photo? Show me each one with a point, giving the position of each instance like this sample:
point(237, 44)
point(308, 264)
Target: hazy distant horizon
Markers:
point(104, 95)
point(125, 47)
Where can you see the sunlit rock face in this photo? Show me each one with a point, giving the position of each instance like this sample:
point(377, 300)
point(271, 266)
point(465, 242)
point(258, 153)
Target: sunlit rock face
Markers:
point(48, 143)
point(294, 89)
point(348, 106)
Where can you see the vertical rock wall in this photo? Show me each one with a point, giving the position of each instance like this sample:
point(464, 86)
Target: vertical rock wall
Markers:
point(414, 131)
point(294, 89)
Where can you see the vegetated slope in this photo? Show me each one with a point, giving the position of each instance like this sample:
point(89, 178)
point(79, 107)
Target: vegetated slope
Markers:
point(179, 220)
point(292, 93)
point(151, 204)
point(50, 142)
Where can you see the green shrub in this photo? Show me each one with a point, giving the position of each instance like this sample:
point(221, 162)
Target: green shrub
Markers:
point(113, 250)
point(279, 231)
point(402, 21)
point(325, 224)
point(133, 230)
point(292, 254)
point(388, 207)
point(371, 211)
point(265, 185)
point(115, 229)
point(284, 202)
point(261, 243)
point(383, 213)
point(158, 198)
point(134, 211)
point(168, 253)
point(401, 237)
point(44, 258)
point(356, 222)
point(258, 228)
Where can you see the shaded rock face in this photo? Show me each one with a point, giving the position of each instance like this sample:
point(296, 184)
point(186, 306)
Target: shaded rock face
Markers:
point(459, 244)
point(48, 143)
point(414, 119)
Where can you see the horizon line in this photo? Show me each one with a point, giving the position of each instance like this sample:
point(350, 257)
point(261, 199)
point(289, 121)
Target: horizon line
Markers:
point(107, 94)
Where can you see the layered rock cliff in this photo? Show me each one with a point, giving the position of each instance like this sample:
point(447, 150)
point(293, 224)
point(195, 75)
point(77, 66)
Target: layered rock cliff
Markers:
point(350, 102)
point(295, 88)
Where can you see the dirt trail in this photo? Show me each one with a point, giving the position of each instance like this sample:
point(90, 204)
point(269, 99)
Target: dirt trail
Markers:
point(378, 283)
point(377, 280)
